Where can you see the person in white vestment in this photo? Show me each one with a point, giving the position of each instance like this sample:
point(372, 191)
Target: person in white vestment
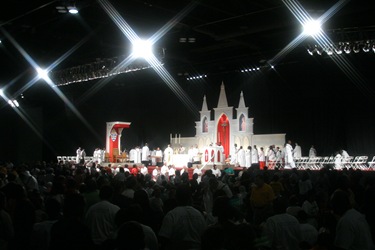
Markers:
point(198, 171)
point(289, 162)
point(262, 158)
point(168, 153)
point(279, 157)
point(137, 156)
point(255, 157)
point(155, 173)
point(241, 157)
point(248, 157)
point(233, 159)
point(164, 169)
point(144, 170)
point(158, 156)
point(297, 151)
point(196, 156)
point(312, 151)
point(132, 153)
point(215, 171)
point(271, 157)
point(338, 160)
point(145, 155)
point(78, 155)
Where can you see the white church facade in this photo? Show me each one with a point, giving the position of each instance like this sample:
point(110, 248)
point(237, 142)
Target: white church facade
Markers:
point(226, 129)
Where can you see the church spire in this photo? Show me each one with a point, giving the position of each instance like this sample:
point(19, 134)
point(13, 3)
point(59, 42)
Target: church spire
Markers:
point(242, 101)
point(223, 103)
point(204, 105)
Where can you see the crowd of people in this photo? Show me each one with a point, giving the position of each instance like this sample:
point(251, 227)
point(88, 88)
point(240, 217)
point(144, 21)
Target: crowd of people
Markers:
point(70, 206)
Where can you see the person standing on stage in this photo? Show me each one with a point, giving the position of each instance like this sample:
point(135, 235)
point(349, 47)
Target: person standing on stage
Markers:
point(248, 157)
point(158, 156)
point(241, 157)
point(262, 158)
point(132, 155)
point(82, 157)
point(297, 151)
point(137, 155)
point(233, 159)
point(255, 157)
point(271, 157)
point(289, 162)
point(312, 152)
point(78, 155)
point(146, 155)
point(168, 153)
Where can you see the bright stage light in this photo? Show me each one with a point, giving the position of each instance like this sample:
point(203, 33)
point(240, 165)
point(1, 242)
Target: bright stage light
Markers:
point(312, 28)
point(1, 92)
point(73, 10)
point(42, 73)
point(142, 48)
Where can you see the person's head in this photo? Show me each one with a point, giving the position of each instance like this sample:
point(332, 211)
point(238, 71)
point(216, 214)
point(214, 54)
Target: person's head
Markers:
point(183, 195)
point(340, 202)
point(259, 180)
point(106, 192)
point(130, 236)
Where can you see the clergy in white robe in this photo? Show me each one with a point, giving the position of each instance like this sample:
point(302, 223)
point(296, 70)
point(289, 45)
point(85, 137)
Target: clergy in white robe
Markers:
point(312, 152)
point(248, 157)
point(78, 155)
point(271, 157)
point(145, 154)
point(289, 162)
point(233, 157)
point(254, 156)
point(297, 151)
point(241, 157)
point(137, 155)
point(132, 153)
point(168, 153)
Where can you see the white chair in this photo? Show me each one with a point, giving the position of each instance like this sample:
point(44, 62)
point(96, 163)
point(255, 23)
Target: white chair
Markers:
point(59, 158)
point(371, 164)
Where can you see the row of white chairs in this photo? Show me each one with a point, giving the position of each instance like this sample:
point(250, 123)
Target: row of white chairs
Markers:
point(72, 158)
point(316, 163)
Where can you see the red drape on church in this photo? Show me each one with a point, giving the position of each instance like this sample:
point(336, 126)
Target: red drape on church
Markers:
point(223, 129)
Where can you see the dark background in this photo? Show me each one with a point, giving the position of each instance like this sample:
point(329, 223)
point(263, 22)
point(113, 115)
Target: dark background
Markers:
point(310, 98)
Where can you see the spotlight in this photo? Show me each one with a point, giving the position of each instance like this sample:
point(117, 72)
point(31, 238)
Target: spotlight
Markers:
point(312, 28)
point(142, 48)
point(373, 47)
point(72, 10)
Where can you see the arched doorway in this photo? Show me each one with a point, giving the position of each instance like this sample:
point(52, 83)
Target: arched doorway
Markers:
point(223, 130)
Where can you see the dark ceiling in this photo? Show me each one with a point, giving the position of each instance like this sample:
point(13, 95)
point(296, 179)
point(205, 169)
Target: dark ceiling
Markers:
point(228, 36)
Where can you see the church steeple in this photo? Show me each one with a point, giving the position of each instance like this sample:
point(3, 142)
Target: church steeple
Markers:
point(242, 101)
point(223, 102)
point(204, 105)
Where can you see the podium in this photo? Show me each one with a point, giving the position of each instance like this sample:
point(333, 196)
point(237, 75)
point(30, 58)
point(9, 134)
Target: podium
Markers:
point(113, 139)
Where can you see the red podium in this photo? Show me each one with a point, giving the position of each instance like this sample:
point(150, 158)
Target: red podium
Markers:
point(113, 138)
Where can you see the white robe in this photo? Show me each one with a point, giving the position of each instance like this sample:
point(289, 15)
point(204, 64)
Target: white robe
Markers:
point(132, 153)
point(137, 155)
point(241, 157)
point(297, 152)
point(247, 158)
point(233, 159)
point(78, 157)
point(312, 152)
point(254, 156)
point(289, 162)
point(145, 153)
point(168, 153)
